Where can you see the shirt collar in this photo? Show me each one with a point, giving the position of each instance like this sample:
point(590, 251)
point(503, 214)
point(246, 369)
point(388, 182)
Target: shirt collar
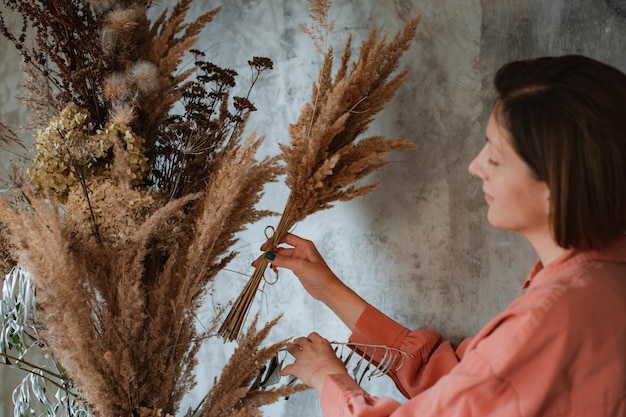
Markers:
point(614, 252)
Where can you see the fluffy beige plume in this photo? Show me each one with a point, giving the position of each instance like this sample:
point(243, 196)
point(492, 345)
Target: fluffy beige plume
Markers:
point(116, 86)
point(119, 304)
point(231, 394)
point(122, 114)
point(325, 159)
point(146, 76)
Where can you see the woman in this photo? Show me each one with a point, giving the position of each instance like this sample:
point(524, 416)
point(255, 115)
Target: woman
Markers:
point(554, 170)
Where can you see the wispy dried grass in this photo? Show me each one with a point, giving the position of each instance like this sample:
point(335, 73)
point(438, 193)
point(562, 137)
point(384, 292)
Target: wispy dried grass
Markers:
point(326, 156)
point(171, 38)
point(38, 97)
point(119, 314)
point(129, 211)
point(234, 397)
point(122, 259)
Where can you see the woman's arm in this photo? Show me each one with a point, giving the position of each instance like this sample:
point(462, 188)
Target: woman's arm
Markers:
point(431, 357)
point(304, 260)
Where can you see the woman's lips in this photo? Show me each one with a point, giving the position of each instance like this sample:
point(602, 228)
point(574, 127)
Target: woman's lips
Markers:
point(488, 196)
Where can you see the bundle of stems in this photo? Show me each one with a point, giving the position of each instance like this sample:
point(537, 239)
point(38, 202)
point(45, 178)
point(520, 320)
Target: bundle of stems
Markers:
point(326, 156)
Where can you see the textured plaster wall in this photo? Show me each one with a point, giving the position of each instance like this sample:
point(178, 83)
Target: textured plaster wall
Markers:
point(419, 247)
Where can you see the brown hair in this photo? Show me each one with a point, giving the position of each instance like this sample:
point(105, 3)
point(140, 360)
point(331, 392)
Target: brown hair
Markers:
point(567, 119)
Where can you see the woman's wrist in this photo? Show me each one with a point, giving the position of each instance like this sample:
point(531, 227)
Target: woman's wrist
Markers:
point(345, 303)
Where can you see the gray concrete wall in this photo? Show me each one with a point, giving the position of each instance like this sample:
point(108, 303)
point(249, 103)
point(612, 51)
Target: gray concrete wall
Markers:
point(419, 247)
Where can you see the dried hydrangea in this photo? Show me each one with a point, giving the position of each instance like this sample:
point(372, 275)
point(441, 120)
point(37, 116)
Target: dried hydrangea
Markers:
point(106, 198)
point(53, 166)
point(137, 162)
point(67, 151)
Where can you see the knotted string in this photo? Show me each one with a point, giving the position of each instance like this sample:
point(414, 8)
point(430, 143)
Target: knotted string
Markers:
point(229, 330)
point(268, 237)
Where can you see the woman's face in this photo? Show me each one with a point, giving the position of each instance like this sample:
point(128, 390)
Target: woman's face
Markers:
point(517, 201)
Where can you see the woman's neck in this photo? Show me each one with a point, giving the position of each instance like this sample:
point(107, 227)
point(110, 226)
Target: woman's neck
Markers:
point(546, 247)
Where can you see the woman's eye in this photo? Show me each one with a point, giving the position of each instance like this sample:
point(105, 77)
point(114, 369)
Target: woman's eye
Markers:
point(492, 162)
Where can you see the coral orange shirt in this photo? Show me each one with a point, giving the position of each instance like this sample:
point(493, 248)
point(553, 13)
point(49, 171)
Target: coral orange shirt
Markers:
point(558, 350)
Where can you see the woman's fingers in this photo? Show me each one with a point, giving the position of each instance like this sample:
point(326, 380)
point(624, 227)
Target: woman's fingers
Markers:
point(289, 239)
point(314, 360)
point(316, 338)
point(295, 240)
point(301, 342)
point(287, 252)
point(294, 348)
point(313, 343)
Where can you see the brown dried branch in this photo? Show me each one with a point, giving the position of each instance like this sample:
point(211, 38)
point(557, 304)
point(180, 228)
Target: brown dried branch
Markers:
point(194, 141)
point(171, 39)
point(63, 48)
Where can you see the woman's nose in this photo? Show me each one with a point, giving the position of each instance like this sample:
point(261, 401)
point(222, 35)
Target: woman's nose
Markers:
point(472, 168)
point(476, 167)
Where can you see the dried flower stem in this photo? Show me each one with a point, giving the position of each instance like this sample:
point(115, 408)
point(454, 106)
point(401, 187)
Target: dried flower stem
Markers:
point(237, 315)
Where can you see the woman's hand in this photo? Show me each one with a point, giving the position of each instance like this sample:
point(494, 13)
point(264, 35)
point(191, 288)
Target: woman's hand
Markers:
point(303, 259)
point(306, 263)
point(315, 359)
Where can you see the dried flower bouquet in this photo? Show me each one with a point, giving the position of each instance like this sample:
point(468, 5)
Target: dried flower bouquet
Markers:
point(129, 209)
point(327, 156)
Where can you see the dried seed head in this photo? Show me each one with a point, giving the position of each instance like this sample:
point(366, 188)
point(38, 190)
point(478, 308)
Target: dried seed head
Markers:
point(116, 86)
point(122, 114)
point(146, 76)
point(122, 19)
point(108, 39)
point(100, 6)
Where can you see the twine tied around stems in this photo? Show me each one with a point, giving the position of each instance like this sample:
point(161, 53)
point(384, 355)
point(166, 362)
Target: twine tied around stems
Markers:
point(229, 330)
point(268, 237)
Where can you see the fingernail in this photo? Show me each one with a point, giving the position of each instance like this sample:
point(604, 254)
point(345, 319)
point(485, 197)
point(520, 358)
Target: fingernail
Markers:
point(270, 255)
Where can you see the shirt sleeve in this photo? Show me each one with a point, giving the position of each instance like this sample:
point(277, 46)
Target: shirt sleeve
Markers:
point(431, 356)
point(555, 350)
point(435, 384)
point(342, 389)
point(472, 392)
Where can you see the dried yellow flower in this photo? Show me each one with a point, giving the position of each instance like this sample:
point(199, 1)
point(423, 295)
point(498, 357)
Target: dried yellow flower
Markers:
point(68, 151)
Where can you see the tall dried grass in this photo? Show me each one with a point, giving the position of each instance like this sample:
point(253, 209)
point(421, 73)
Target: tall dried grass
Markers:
point(326, 156)
point(129, 211)
point(121, 253)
